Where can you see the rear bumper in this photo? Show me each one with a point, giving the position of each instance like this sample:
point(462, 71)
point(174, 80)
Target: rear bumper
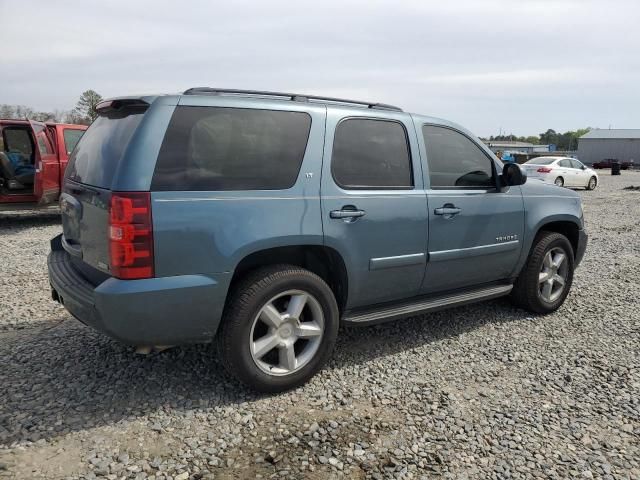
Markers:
point(156, 311)
point(582, 246)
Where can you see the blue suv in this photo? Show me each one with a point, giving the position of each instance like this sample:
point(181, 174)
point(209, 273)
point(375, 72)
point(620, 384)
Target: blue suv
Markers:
point(265, 220)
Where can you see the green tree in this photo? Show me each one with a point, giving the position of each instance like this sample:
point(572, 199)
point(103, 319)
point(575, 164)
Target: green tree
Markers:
point(548, 137)
point(86, 106)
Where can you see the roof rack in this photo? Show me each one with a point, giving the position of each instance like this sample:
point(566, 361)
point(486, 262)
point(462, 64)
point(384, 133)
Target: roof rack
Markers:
point(296, 97)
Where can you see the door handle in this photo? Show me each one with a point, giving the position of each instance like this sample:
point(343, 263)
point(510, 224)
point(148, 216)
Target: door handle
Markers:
point(448, 210)
point(347, 213)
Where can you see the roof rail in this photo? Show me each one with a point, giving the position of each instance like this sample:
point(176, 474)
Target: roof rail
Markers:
point(296, 97)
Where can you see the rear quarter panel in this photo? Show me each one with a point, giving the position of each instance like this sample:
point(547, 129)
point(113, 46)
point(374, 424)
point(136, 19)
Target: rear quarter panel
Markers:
point(211, 232)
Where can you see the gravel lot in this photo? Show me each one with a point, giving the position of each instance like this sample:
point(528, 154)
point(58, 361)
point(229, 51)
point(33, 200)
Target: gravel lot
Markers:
point(484, 391)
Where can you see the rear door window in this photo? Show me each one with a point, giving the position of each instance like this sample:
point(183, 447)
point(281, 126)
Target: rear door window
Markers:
point(455, 161)
point(102, 147)
point(565, 164)
point(576, 164)
point(71, 138)
point(370, 153)
point(217, 148)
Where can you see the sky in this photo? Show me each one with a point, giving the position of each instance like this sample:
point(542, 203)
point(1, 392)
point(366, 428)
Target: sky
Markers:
point(516, 66)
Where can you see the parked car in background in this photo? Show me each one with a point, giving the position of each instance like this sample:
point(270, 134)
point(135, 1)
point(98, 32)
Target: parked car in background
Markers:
point(562, 171)
point(264, 220)
point(33, 158)
point(606, 163)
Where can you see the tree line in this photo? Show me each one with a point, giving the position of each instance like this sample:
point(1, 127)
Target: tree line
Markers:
point(566, 141)
point(83, 113)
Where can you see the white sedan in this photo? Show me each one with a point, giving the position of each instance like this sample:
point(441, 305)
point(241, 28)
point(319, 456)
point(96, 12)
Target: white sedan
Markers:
point(562, 171)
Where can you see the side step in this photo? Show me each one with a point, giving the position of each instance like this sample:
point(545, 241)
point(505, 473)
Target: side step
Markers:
point(422, 305)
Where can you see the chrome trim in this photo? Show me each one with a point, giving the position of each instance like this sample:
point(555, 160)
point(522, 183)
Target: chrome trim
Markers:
point(397, 261)
point(442, 255)
point(432, 304)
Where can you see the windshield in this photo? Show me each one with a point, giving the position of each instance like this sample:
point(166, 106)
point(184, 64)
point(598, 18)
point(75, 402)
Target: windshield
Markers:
point(541, 161)
point(96, 157)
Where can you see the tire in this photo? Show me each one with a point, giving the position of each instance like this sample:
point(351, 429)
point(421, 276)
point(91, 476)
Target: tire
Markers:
point(593, 183)
point(559, 182)
point(260, 346)
point(528, 290)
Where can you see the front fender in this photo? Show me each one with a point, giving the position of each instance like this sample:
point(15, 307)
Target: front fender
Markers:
point(554, 206)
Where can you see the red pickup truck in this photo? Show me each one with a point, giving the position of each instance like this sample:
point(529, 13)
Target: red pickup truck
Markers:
point(33, 157)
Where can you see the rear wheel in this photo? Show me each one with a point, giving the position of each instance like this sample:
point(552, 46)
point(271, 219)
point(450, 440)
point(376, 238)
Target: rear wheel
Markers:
point(593, 183)
point(279, 328)
point(559, 182)
point(546, 278)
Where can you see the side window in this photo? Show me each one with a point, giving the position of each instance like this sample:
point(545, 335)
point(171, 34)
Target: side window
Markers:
point(576, 164)
point(565, 163)
point(455, 161)
point(216, 148)
point(71, 138)
point(371, 154)
point(18, 140)
point(44, 145)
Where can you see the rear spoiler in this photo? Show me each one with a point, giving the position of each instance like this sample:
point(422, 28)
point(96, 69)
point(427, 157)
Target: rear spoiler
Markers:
point(117, 104)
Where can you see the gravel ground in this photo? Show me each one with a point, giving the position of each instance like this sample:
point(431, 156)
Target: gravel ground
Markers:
point(484, 391)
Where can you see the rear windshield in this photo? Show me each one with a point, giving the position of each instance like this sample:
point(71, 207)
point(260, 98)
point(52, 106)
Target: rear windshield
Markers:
point(96, 157)
point(541, 161)
point(216, 148)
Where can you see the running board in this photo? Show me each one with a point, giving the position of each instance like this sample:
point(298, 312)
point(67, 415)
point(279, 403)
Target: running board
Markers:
point(385, 313)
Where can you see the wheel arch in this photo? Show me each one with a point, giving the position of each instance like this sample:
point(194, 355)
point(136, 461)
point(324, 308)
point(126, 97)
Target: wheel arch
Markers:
point(324, 261)
point(567, 228)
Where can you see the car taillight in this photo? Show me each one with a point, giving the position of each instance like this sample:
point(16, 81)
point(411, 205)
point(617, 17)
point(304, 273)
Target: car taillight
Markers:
point(130, 235)
point(544, 170)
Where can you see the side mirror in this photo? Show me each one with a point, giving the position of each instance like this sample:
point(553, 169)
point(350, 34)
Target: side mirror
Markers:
point(512, 175)
point(583, 167)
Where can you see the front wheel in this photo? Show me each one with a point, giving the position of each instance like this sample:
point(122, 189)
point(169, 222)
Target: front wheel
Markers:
point(546, 278)
point(559, 182)
point(279, 328)
point(593, 183)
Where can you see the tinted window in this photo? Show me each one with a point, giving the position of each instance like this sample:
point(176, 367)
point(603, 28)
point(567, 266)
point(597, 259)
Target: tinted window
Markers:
point(71, 138)
point(371, 153)
point(96, 157)
point(455, 161)
point(565, 163)
point(215, 148)
point(18, 140)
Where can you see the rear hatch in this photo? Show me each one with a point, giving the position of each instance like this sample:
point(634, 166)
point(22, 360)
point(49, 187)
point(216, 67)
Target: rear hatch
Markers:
point(86, 193)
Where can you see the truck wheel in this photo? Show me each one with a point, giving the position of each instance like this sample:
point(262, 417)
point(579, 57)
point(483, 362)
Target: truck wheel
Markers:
point(593, 183)
point(559, 182)
point(546, 278)
point(279, 328)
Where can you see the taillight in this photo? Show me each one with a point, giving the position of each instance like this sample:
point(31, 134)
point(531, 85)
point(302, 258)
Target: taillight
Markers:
point(130, 235)
point(544, 170)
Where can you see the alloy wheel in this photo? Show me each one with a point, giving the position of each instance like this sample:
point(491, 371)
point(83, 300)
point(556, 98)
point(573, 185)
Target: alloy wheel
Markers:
point(287, 332)
point(553, 275)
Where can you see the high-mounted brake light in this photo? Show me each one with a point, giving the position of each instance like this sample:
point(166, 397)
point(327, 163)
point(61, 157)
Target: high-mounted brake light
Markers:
point(544, 170)
point(130, 235)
